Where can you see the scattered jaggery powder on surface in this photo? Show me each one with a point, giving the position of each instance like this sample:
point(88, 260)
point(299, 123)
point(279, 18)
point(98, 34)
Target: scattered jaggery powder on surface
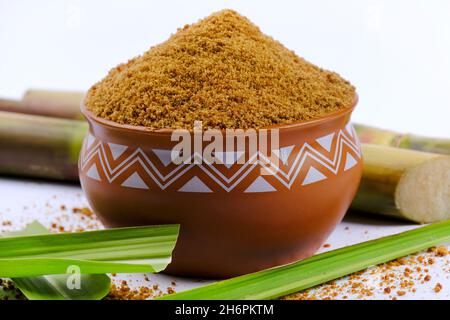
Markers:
point(124, 291)
point(438, 288)
point(9, 291)
point(394, 279)
point(84, 211)
point(6, 223)
point(222, 71)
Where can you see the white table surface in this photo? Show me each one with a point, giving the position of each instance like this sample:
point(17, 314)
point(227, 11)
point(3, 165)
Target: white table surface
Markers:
point(23, 201)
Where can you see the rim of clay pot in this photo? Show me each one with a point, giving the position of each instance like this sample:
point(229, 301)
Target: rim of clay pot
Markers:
point(317, 121)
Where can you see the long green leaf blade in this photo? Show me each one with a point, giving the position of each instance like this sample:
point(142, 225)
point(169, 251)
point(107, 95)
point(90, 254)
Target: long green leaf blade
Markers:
point(125, 250)
point(280, 281)
point(54, 287)
point(93, 287)
point(128, 243)
point(13, 268)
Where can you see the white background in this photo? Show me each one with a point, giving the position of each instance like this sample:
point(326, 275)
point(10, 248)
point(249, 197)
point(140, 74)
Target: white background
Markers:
point(397, 53)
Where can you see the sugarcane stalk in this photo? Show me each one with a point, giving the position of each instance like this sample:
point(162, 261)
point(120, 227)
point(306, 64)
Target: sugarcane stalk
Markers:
point(12, 105)
point(59, 104)
point(390, 138)
point(37, 146)
point(405, 184)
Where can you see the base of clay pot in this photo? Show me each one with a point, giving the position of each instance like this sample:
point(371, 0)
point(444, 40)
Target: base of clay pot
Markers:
point(231, 240)
point(239, 268)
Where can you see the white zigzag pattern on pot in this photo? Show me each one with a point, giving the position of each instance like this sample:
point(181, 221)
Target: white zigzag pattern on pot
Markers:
point(347, 137)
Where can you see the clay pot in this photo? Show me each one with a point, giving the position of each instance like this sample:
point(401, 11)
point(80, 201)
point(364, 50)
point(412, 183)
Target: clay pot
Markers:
point(235, 218)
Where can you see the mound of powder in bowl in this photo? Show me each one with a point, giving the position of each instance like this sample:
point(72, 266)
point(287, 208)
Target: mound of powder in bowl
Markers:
point(222, 71)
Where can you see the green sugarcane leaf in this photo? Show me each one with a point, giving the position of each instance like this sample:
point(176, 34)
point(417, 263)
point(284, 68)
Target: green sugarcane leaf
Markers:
point(321, 268)
point(153, 243)
point(12, 268)
point(55, 287)
point(124, 250)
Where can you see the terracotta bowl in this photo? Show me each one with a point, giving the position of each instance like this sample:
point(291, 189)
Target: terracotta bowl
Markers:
point(235, 218)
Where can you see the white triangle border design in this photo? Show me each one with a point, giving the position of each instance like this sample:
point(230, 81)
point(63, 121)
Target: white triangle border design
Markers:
point(332, 164)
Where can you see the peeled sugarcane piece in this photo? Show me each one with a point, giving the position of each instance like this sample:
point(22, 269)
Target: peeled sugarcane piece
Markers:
point(59, 104)
point(390, 138)
point(38, 146)
point(405, 184)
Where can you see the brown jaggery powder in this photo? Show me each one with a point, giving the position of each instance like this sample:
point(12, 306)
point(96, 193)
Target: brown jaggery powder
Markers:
point(394, 279)
point(222, 71)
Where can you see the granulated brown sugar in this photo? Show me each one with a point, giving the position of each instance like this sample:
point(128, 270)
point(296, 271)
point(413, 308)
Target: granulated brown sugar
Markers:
point(223, 71)
point(438, 288)
point(123, 291)
point(9, 291)
point(394, 279)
